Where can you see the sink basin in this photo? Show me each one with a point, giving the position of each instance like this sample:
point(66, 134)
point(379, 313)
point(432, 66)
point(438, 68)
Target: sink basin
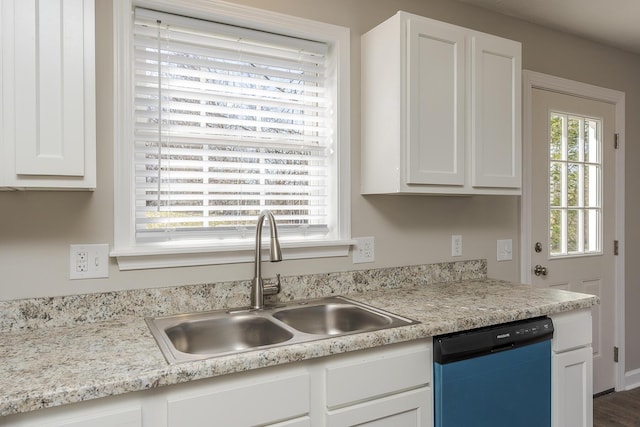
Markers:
point(225, 334)
point(202, 335)
point(332, 319)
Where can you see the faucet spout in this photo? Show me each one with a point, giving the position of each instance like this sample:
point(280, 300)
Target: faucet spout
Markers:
point(257, 286)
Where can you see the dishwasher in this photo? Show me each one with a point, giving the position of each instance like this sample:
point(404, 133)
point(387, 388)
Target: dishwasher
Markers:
point(498, 376)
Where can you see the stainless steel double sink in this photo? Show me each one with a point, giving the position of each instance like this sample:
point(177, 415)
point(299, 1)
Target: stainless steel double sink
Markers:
point(203, 335)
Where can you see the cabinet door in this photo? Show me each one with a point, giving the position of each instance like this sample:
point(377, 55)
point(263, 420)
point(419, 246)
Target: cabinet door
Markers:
point(436, 103)
point(410, 409)
point(66, 417)
point(495, 112)
point(257, 398)
point(572, 388)
point(298, 422)
point(48, 93)
point(367, 375)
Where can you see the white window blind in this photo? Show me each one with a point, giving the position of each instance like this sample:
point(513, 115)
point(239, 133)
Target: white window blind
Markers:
point(229, 121)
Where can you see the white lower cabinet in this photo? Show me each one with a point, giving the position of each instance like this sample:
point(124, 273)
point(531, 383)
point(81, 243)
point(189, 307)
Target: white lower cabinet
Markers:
point(385, 386)
point(572, 370)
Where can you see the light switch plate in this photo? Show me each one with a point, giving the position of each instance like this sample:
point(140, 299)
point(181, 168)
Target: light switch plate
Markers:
point(505, 248)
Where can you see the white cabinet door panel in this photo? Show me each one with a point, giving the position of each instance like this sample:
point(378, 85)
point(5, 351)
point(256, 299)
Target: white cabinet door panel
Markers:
point(266, 399)
point(48, 135)
point(130, 417)
point(359, 377)
point(436, 58)
point(572, 330)
point(410, 409)
point(298, 422)
point(50, 100)
point(572, 388)
point(495, 110)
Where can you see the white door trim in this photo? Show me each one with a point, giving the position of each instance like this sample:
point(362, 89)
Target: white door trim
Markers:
point(534, 80)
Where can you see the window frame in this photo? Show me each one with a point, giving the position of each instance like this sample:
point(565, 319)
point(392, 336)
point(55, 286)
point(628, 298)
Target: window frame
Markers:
point(135, 255)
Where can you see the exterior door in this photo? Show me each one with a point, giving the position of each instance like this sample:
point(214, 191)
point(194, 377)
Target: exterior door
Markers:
point(573, 210)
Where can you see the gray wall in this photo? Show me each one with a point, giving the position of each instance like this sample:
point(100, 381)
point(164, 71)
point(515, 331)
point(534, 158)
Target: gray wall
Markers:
point(36, 228)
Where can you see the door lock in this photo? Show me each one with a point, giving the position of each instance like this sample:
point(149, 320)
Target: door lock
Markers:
point(540, 270)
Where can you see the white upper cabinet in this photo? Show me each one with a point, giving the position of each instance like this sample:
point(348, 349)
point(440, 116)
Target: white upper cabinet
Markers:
point(48, 138)
point(440, 109)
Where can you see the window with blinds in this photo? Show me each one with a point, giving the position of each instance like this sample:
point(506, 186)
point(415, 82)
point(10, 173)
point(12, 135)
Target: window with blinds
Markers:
point(229, 121)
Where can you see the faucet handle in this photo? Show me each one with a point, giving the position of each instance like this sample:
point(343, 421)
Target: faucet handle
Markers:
point(272, 288)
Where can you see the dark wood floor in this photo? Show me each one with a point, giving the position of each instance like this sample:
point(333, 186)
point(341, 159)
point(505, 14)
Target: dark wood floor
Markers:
point(617, 409)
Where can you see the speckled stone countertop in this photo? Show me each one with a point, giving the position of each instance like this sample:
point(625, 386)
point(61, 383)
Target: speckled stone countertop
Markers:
point(45, 366)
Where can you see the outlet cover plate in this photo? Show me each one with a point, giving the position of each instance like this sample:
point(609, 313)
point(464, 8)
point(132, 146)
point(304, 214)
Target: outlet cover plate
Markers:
point(88, 261)
point(364, 250)
point(456, 245)
point(505, 249)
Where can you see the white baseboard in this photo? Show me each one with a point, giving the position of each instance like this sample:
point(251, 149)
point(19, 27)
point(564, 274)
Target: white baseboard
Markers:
point(632, 379)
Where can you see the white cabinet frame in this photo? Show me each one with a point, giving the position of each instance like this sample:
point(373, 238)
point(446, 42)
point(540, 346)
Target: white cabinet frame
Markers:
point(441, 109)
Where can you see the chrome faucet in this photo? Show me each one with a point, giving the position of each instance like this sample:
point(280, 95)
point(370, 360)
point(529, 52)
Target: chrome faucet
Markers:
point(258, 289)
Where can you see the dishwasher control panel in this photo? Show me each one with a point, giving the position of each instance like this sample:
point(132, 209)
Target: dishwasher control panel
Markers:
point(477, 342)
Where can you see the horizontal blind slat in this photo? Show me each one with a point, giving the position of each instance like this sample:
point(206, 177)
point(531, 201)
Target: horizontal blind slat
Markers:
point(215, 56)
point(196, 142)
point(215, 122)
point(198, 26)
point(144, 150)
point(226, 197)
point(284, 141)
point(230, 219)
point(230, 233)
point(193, 90)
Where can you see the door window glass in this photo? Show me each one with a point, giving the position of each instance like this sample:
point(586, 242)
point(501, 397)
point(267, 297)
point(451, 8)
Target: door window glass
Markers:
point(575, 181)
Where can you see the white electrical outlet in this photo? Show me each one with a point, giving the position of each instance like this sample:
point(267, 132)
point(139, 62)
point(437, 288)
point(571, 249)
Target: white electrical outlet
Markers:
point(88, 261)
point(456, 245)
point(364, 250)
point(505, 248)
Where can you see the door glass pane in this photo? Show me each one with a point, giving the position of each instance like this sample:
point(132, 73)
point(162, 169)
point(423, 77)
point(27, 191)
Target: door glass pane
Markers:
point(555, 146)
point(572, 230)
point(591, 185)
point(555, 231)
point(573, 184)
point(591, 140)
point(573, 139)
point(555, 184)
point(575, 180)
point(591, 223)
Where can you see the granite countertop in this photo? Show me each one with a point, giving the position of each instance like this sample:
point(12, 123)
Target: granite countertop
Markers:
point(51, 366)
